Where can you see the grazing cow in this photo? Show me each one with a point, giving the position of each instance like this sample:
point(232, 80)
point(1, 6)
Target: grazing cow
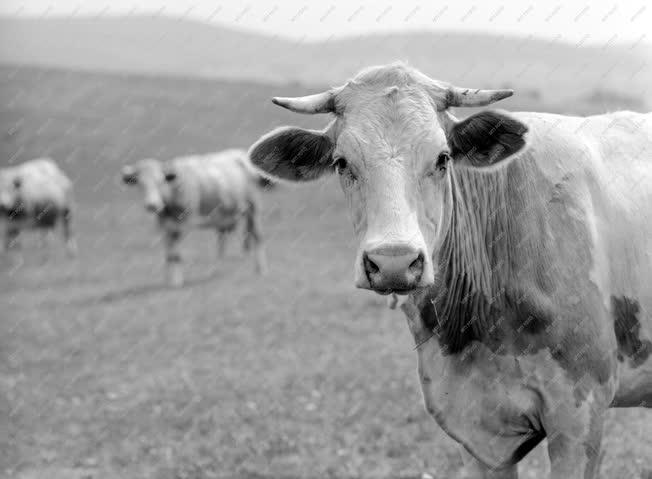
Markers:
point(523, 242)
point(36, 195)
point(210, 191)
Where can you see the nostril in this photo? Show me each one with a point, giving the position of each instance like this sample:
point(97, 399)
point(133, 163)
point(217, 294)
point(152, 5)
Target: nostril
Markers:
point(417, 264)
point(370, 266)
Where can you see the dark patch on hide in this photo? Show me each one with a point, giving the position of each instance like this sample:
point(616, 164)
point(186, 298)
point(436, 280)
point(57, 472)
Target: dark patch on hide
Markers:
point(486, 138)
point(17, 213)
point(46, 217)
point(627, 327)
point(43, 215)
point(294, 154)
point(583, 361)
point(531, 317)
point(462, 314)
point(516, 324)
point(428, 314)
point(174, 212)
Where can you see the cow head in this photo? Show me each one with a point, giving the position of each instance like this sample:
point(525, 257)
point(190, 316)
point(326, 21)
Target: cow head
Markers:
point(150, 175)
point(10, 185)
point(394, 145)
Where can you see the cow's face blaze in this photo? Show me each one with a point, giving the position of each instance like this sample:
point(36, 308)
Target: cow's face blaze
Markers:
point(393, 145)
point(389, 162)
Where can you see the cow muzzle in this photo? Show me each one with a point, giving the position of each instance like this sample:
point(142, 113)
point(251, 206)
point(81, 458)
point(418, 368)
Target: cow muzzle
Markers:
point(394, 268)
point(153, 207)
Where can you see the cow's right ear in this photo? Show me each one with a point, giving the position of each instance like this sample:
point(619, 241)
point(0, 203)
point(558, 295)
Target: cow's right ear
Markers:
point(293, 154)
point(129, 175)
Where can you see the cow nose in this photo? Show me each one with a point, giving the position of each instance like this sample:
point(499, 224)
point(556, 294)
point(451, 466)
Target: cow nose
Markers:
point(393, 267)
point(152, 207)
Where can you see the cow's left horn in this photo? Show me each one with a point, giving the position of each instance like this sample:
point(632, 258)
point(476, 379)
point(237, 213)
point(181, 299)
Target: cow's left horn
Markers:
point(456, 96)
point(318, 103)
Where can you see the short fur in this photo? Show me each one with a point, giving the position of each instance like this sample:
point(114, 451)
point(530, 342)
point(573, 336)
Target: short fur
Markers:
point(217, 191)
point(36, 194)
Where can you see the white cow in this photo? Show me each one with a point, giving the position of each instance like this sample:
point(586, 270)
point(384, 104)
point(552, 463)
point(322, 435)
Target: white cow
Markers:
point(215, 191)
point(36, 195)
point(522, 241)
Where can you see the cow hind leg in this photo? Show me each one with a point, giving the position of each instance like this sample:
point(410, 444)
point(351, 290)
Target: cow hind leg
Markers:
point(222, 237)
point(253, 239)
point(11, 238)
point(173, 258)
point(68, 237)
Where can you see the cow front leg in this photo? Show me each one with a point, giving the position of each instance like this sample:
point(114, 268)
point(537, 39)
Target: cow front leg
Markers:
point(173, 258)
point(222, 237)
point(253, 238)
point(11, 238)
point(474, 469)
point(69, 238)
point(574, 447)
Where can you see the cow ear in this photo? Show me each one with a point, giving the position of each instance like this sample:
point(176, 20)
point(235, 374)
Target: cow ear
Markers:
point(486, 138)
point(129, 175)
point(293, 154)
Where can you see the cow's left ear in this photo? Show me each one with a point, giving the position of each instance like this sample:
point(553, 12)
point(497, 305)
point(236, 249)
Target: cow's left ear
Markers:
point(294, 154)
point(486, 138)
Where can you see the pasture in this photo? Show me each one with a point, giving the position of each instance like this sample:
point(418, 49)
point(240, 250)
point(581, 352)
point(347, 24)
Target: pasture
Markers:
point(107, 373)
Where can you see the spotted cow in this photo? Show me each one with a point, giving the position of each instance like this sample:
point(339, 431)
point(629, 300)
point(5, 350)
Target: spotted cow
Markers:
point(216, 191)
point(520, 245)
point(36, 195)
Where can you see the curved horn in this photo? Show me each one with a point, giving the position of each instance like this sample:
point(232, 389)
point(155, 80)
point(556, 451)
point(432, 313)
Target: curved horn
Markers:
point(318, 103)
point(456, 96)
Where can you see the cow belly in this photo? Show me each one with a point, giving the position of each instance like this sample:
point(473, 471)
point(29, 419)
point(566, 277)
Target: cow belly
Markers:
point(219, 221)
point(40, 215)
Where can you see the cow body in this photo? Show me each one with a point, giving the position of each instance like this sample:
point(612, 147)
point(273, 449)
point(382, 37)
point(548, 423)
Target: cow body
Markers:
point(216, 191)
point(520, 244)
point(567, 328)
point(36, 195)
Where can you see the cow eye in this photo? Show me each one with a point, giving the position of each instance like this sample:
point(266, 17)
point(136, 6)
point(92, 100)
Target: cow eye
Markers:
point(442, 160)
point(340, 164)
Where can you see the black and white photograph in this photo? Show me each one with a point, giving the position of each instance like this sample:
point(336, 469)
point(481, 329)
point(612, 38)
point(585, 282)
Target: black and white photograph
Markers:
point(325, 240)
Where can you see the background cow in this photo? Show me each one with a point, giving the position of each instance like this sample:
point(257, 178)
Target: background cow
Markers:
point(211, 191)
point(523, 241)
point(36, 194)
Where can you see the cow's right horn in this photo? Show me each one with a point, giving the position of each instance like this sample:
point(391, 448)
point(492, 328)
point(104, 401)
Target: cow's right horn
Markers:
point(457, 96)
point(318, 103)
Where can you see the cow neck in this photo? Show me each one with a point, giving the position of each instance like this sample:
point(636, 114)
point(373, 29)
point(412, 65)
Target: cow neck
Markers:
point(489, 213)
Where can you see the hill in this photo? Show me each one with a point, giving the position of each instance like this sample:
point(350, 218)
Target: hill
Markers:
point(167, 46)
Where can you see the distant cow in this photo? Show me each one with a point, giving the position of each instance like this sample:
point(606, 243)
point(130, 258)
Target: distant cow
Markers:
point(35, 195)
point(522, 243)
point(209, 191)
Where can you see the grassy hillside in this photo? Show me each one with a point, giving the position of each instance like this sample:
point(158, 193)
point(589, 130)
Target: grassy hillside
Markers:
point(106, 373)
point(160, 45)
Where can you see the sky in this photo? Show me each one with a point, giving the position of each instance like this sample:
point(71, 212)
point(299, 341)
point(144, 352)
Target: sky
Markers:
point(575, 21)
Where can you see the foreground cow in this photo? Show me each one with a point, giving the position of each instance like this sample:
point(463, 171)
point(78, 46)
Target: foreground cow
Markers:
point(212, 191)
point(35, 195)
point(523, 242)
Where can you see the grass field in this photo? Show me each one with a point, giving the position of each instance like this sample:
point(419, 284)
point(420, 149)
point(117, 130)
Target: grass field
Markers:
point(106, 373)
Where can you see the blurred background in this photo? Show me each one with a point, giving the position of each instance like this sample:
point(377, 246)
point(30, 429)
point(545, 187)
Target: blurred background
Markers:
point(107, 373)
